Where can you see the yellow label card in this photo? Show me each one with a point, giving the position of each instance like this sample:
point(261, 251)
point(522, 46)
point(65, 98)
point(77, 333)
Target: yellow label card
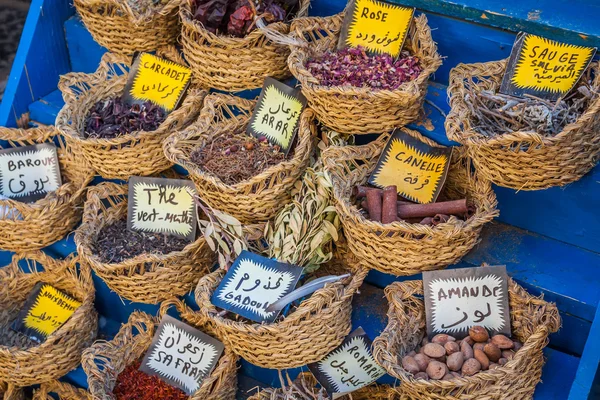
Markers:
point(159, 81)
point(544, 68)
point(377, 26)
point(417, 169)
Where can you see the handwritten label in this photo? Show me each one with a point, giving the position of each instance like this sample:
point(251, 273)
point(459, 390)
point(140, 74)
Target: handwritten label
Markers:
point(349, 367)
point(157, 80)
point(379, 27)
point(46, 310)
point(544, 68)
point(457, 299)
point(29, 173)
point(181, 355)
point(252, 283)
point(163, 206)
point(277, 113)
point(417, 169)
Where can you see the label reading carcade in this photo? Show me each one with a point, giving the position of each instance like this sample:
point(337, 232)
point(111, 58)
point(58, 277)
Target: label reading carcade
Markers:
point(254, 282)
point(544, 68)
point(458, 299)
point(277, 114)
point(349, 367)
point(379, 27)
point(417, 169)
point(157, 80)
point(162, 206)
point(29, 173)
point(181, 355)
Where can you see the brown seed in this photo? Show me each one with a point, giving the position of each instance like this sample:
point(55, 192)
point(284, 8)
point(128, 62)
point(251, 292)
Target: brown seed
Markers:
point(424, 341)
point(502, 342)
point(456, 374)
point(479, 334)
point(234, 148)
point(478, 346)
point(436, 370)
point(422, 375)
point(482, 358)
point(412, 353)
point(471, 367)
point(410, 365)
point(451, 347)
point(466, 349)
point(508, 354)
point(492, 352)
point(493, 366)
point(502, 361)
point(517, 346)
point(448, 377)
point(469, 340)
point(442, 339)
point(434, 350)
point(249, 146)
point(422, 350)
point(423, 361)
point(455, 361)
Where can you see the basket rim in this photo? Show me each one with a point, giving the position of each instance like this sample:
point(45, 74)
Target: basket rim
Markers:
point(148, 17)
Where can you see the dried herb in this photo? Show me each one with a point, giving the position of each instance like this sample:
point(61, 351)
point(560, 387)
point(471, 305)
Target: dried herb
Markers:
point(354, 67)
point(234, 159)
point(116, 243)
point(113, 118)
point(143, 7)
point(133, 384)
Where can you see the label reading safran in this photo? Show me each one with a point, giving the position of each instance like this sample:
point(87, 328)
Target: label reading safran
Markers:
point(162, 206)
point(349, 367)
point(277, 113)
point(252, 283)
point(379, 27)
point(544, 68)
point(417, 169)
point(159, 81)
point(181, 355)
point(45, 310)
point(457, 299)
point(29, 173)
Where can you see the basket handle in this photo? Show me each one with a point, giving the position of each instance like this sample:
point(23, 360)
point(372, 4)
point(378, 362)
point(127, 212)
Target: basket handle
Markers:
point(104, 191)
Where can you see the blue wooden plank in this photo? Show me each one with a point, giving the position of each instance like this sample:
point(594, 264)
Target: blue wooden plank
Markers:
point(588, 366)
point(84, 52)
point(248, 387)
point(47, 108)
point(557, 376)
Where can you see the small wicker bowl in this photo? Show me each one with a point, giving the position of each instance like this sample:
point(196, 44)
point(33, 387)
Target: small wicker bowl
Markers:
point(62, 390)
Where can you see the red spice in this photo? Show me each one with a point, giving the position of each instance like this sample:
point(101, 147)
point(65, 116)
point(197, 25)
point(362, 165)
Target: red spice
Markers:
point(133, 384)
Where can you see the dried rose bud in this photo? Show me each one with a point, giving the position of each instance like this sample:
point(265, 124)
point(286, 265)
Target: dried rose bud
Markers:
point(234, 148)
point(262, 138)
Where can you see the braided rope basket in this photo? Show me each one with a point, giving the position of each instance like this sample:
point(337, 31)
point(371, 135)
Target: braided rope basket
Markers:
point(532, 320)
point(114, 25)
point(402, 248)
point(23, 363)
point(39, 224)
point(146, 278)
point(230, 63)
point(353, 110)
point(135, 154)
point(259, 198)
point(62, 390)
point(521, 160)
point(11, 392)
point(104, 361)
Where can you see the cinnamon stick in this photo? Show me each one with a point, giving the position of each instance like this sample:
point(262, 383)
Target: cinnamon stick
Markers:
point(360, 192)
point(440, 219)
point(454, 207)
point(374, 204)
point(389, 209)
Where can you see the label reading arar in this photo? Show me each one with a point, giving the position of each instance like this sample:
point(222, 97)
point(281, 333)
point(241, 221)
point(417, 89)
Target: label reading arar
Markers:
point(277, 113)
point(544, 68)
point(157, 80)
point(458, 299)
point(417, 169)
point(45, 310)
point(29, 173)
point(379, 27)
point(162, 206)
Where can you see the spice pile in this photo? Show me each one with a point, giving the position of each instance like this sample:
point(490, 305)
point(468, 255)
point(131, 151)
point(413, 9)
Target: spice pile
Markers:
point(354, 67)
point(133, 384)
point(236, 17)
point(116, 243)
point(234, 159)
point(112, 118)
point(445, 358)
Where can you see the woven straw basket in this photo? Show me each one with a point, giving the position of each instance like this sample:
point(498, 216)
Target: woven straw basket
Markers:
point(104, 361)
point(39, 224)
point(11, 392)
point(353, 110)
point(136, 154)
point(532, 320)
point(521, 160)
point(147, 278)
point(62, 390)
point(402, 248)
point(233, 64)
point(115, 26)
point(22, 364)
point(261, 197)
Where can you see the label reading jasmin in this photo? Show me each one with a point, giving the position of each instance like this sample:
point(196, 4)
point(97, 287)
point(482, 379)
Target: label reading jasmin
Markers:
point(416, 168)
point(157, 80)
point(252, 283)
point(181, 355)
point(379, 27)
point(277, 113)
point(46, 309)
point(29, 173)
point(349, 367)
point(163, 206)
point(457, 299)
point(544, 68)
